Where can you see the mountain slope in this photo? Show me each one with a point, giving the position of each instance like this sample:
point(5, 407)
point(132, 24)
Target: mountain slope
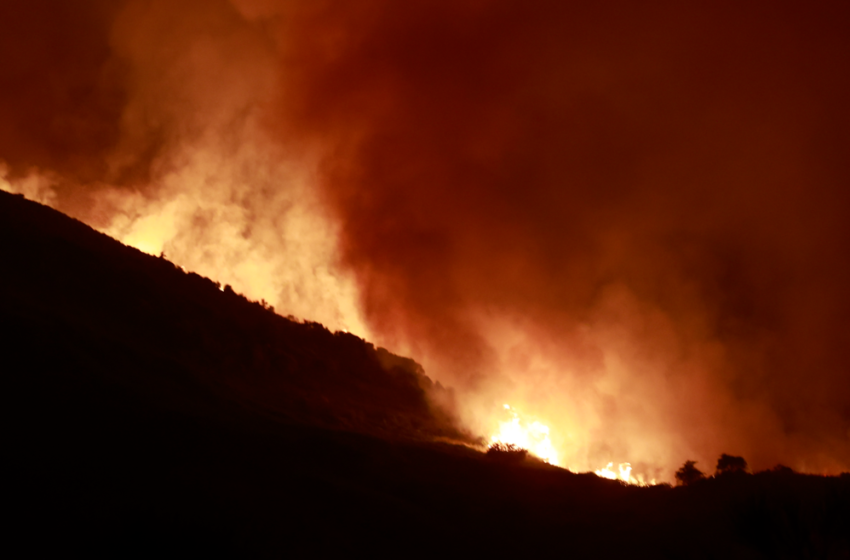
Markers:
point(123, 307)
point(152, 413)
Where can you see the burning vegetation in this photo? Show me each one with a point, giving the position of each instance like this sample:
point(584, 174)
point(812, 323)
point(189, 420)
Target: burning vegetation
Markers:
point(507, 452)
point(518, 434)
point(632, 231)
point(541, 207)
point(150, 402)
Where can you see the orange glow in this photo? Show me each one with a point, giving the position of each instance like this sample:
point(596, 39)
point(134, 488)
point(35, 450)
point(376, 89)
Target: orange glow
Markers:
point(530, 435)
point(623, 474)
point(509, 210)
point(35, 185)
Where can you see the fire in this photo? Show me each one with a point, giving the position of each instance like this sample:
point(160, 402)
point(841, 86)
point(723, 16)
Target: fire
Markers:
point(532, 436)
point(624, 474)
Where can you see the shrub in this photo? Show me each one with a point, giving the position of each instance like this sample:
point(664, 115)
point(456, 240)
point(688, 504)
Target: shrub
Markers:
point(688, 474)
point(730, 464)
point(507, 453)
point(783, 470)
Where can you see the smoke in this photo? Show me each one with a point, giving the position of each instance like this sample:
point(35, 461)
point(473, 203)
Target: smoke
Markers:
point(166, 149)
point(628, 221)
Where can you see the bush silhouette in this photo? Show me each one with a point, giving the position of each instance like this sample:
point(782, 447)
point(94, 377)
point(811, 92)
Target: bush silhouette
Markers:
point(782, 469)
point(688, 474)
point(727, 464)
point(507, 452)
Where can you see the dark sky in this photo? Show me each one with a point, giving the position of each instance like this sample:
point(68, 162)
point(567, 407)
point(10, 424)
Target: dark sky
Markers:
point(631, 218)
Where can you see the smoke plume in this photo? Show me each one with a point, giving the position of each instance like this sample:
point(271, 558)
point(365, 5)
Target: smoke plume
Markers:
point(629, 221)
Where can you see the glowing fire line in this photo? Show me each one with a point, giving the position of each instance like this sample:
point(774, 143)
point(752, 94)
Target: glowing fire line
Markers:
point(625, 473)
point(534, 437)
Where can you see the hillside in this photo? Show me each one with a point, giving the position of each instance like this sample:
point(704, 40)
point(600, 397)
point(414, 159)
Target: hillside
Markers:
point(153, 412)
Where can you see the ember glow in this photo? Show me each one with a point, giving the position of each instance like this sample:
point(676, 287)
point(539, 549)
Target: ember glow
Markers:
point(623, 474)
point(532, 436)
point(631, 222)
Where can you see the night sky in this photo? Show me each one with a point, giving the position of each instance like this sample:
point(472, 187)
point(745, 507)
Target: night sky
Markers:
point(629, 220)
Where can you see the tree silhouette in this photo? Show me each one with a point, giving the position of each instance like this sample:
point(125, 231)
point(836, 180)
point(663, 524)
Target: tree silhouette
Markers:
point(730, 464)
point(688, 474)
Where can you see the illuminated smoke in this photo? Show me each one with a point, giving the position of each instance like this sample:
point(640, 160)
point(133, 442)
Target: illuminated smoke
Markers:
point(524, 434)
point(34, 185)
point(191, 172)
point(630, 222)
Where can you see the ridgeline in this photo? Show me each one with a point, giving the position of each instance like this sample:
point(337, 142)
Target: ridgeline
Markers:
point(152, 412)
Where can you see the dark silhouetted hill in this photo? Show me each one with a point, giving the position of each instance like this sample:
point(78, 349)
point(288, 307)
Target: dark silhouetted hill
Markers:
point(142, 324)
point(150, 413)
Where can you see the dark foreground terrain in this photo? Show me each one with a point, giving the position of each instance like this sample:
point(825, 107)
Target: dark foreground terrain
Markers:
point(151, 413)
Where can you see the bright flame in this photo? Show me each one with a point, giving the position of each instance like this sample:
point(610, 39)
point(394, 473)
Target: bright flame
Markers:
point(532, 436)
point(624, 474)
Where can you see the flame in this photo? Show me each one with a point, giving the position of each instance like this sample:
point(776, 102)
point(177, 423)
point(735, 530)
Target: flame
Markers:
point(532, 436)
point(624, 474)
